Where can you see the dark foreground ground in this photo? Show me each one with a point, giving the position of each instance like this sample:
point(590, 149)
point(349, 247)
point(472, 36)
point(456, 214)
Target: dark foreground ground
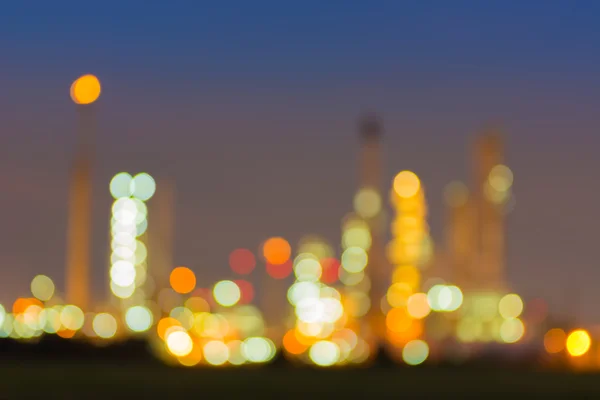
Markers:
point(53, 371)
point(102, 381)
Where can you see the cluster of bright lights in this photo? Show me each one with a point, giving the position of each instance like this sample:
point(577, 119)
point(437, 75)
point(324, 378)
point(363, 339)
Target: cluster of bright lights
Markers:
point(487, 317)
point(46, 314)
point(576, 343)
point(409, 252)
point(232, 335)
point(356, 242)
point(128, 272)
point(213, 326)
point(320, 335)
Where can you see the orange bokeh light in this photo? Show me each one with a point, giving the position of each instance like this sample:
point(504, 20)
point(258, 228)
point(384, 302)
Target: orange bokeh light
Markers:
point(277, 250)
point(399, 339)
point(291, 343)
point(21, 304)
point(242, 261)
point(85, 90)
point(398, 320)
point(66, 333)
point(164, 324)
point(554, 340)
point(183, 280)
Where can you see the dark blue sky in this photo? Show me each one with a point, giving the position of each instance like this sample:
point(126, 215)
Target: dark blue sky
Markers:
point(251, 108)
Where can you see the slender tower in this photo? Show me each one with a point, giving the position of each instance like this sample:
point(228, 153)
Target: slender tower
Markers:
point(371, 178)
point(489, 215)
point(459, 234)
point(160, 235)
point(84, 92)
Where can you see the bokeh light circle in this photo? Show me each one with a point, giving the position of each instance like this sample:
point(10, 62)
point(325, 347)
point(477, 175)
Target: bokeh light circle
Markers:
point(85, 90)
point(510, 306)
point(354, 259)
point(367, 203)
point(324, 353)
point(216, 352)
point(554, 340)
point(226, 293)
point(406, 184)
point(104, 325)
point(143, 186)
point(242, 261)
point(42, 287)
point(179, 343)
point(182, 280)
point(120, 185)
point(138, 318)
point(277, 250)
point(415, 352)
point(578, 342)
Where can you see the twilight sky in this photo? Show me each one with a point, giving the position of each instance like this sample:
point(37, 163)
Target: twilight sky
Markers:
point(251, 108)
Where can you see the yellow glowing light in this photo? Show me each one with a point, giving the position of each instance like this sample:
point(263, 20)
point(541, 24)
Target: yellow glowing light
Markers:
point(227, 293)
point(193, 358)
point(72, 317)
point(415, 352)
point(554, 340)
point(316, 246)
point(42, 287)
point(324, 353)
point(578, 343)
point(308, 269)
point(104, 325)
point(510, 306)
point(354, 259)
point(398, 294)
point(85, 90)
point(407, 274)
point(122, 292)
point(501, 178)
point(236, 357)
point(512, 330)
point(406, 184)
point(216, 352)
point(258, 349)
point(357, 236)
point(50, 320)
point(138, 318)
point(183, 280)
point(367, 203)
point(418, 306)
point(179, 343)
point(197, 304)
point(357, 304)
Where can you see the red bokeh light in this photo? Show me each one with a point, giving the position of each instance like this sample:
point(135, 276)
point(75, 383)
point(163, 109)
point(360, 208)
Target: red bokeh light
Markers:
point(242, 261)
point(280, 271)
point(246, 290)
point(331, 268)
